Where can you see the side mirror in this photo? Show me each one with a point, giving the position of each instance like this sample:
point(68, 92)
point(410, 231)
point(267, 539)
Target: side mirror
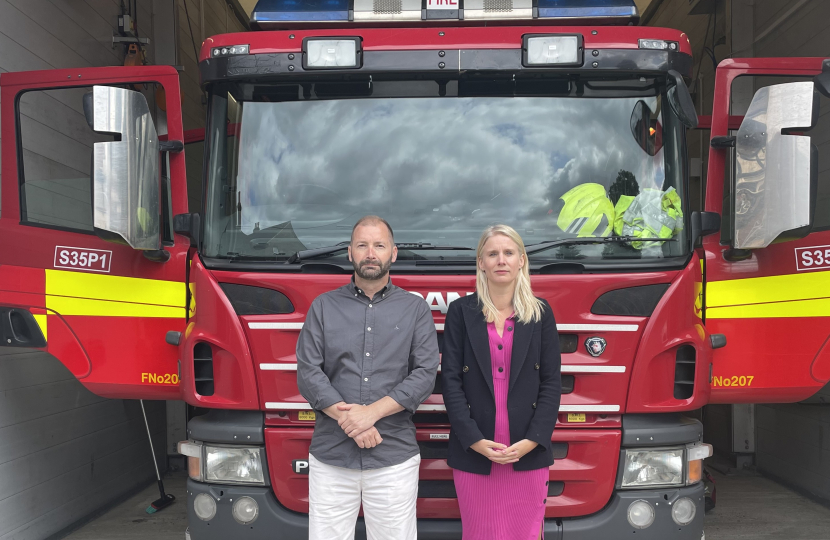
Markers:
point(125, 172)
point(775, 173)
point(646, 131)
point(680, 100)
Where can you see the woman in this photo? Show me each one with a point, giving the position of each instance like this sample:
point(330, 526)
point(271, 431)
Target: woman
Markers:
point(501, 376)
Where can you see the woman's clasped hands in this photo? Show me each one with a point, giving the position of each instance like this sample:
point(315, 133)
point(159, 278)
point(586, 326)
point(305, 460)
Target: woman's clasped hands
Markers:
point(501, 453)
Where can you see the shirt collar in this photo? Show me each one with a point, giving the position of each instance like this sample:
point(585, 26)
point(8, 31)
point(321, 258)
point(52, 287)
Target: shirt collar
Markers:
point(357, 290)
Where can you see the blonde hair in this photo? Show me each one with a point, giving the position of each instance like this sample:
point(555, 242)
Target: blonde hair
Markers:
point(526, 306)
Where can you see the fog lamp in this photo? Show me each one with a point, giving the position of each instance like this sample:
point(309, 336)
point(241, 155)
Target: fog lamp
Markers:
point(331, 53)
point(640, 515)
point(683, 511)
point(245, 510)
point(204, 506)
point(545, 50)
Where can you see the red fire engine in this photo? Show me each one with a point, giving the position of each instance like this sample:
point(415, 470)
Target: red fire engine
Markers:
point(559, 117)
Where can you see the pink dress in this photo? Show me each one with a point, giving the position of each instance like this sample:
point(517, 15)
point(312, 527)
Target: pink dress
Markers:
point(506, 504)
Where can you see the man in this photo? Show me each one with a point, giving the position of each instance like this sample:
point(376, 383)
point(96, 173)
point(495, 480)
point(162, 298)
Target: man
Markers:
point(366, 358)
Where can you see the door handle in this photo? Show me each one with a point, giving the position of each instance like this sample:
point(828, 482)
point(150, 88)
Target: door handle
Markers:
point(19, 328)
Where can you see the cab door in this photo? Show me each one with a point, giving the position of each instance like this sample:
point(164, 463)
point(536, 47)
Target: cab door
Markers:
point(771, 302)
point(90, 269)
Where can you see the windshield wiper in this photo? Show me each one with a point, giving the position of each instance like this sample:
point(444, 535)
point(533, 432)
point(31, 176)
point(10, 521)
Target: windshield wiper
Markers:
point(306, 254)
point(544, 246)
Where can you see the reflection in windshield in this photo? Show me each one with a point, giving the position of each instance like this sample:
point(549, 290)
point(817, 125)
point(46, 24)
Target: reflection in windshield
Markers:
point(440, 170)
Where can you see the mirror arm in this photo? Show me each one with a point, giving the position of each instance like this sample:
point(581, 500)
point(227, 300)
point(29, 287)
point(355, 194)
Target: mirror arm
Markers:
point(723, 141)
point(171, 146)
point(737, 255)
point(188, 225)
point(156, 255)
point(704, 224)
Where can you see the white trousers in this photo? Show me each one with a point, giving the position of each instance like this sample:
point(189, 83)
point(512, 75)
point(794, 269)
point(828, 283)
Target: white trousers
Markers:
point(388, 496)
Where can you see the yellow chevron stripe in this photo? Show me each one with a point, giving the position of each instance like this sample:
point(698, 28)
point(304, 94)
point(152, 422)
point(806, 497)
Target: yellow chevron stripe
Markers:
point(768, 289)
point(790, 295)
point(77, 293)
point(41, 322)
point(797, 308)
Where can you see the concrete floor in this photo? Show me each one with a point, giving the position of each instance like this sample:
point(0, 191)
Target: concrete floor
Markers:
point(751, 506)
point(748, 507)
point(130, 521)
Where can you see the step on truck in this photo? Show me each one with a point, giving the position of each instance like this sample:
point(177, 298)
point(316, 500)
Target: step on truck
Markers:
point(561, 118)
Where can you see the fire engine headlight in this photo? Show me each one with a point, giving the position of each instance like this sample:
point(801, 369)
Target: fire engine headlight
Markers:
point(233, 465)
point(658, 467)
point(331, 53)
point(204, 506)
point(542, 50)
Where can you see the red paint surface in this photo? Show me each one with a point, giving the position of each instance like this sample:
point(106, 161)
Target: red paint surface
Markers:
point(570, 295)
point(673, 324)
point(215, 323)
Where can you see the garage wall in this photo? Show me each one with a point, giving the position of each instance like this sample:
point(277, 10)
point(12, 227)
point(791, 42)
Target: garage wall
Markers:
point(64, 452)
point(793, 441)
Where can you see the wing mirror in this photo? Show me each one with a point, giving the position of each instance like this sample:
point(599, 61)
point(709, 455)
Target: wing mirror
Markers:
point(776, 174)
point(680, 100)
point(125, 172)
point(647, 131)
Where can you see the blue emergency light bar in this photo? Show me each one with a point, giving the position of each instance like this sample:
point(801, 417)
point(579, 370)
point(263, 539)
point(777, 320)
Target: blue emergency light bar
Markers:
point(587, 9)
point(275, 14)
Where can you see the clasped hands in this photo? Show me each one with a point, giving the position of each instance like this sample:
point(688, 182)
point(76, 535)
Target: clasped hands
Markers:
point(358, 422)
point(501, 453)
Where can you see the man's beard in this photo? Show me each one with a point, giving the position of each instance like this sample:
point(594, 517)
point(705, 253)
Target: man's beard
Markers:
point(380, 273)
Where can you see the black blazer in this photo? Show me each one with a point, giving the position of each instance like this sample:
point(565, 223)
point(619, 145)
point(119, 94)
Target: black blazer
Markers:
point(534, 388)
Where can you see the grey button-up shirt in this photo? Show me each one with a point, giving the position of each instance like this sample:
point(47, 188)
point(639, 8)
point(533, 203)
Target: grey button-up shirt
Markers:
point(359, 350)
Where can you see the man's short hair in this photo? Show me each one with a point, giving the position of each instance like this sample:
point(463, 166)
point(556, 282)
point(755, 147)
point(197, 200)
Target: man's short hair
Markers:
point(370, 220)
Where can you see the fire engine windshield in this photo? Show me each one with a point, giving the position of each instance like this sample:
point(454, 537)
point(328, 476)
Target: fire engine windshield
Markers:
point(295, 175)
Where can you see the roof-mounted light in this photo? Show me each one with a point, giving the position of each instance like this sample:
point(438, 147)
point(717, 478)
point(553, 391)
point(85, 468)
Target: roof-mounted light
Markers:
point(588, 10)
point(659, 45)
point(273, 12)
point(552, 50)
point(233, 50)
point(332, 53)
point(283, 14)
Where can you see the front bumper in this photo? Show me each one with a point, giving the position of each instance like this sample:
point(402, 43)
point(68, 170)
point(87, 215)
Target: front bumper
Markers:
point(277, 523)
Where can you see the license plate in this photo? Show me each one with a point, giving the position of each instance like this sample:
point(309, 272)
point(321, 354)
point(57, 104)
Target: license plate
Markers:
point(576, 417)
point(310, 415)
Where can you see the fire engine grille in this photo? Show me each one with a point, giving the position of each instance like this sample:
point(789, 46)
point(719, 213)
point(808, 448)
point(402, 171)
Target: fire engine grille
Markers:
point(203, 369)
point(386, 7)
point(498, 6)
